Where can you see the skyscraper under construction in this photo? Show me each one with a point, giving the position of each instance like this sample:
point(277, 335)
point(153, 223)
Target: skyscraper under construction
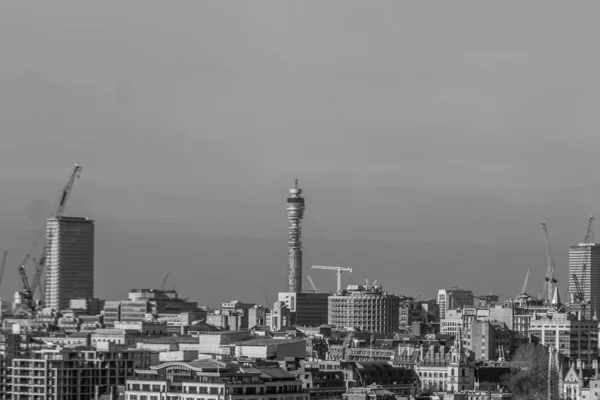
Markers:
point(295, 212)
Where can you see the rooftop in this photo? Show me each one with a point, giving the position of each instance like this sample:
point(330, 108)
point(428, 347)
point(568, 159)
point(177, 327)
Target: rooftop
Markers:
point(266, 342)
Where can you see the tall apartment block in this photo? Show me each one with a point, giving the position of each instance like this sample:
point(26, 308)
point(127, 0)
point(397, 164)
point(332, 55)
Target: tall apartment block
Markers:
point(69, 260)
point(584, 262)
point(449, 299)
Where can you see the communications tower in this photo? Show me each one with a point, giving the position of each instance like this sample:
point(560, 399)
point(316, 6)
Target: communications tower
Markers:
point(295, 212)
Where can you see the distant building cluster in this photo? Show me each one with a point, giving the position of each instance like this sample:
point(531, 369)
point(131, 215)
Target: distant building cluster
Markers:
point(60, 341)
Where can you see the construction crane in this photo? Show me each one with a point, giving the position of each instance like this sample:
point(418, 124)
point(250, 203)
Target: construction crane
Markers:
point(164, 282)
point(523, 289)
point(550, 283)
point(589, 235)
point(338, 272)
point(3, 265)
point(579, 295)
point(312, 283)
point(26, 295)
point(39, 282)
point(60, 208)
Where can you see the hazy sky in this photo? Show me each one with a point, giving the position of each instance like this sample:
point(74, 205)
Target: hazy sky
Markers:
point(407, 122)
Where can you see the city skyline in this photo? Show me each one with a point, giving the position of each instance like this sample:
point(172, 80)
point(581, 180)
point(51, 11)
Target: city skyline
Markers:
point(564, 287)
point(334, 200)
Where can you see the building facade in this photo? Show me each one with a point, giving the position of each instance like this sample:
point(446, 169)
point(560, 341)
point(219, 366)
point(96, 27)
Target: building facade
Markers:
point(573, 338)
point(365, 308)
point(69, 374)
point(307, 309)
point(489, 340)
point(439, 370)
point(69, 260)
point(212, 380)
point(452, 298)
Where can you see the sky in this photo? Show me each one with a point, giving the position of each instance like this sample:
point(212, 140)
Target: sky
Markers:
point(431, 139)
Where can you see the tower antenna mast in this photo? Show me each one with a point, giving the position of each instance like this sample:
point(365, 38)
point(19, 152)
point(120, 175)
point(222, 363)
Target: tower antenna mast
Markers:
point(295, 213)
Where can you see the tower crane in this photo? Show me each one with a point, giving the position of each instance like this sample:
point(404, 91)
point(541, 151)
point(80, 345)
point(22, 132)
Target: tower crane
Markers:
point(26, 295)
point(579, 295)
point(312, 283)
point(589, 235)
point(62, 203)
point(164, 282)
point(550, 284)
point(338, 272)
point(3, 265)
point(523, 289)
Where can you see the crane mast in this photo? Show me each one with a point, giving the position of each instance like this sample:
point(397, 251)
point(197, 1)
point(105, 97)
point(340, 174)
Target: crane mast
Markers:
point(589, 235)
point(26, 294)
point(3, 265)
point(550, 284)
point(579, 295)
point(164, 282)
point(525, 283)
point(312, 283)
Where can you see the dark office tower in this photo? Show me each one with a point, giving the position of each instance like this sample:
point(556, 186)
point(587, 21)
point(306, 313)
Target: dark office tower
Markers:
point(295, 211)
point(69, 261)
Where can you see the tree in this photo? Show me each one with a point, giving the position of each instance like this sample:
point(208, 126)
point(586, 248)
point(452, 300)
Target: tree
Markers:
point(528, 379)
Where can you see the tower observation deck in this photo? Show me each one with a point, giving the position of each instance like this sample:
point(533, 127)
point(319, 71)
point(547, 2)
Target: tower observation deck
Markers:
point(295, 212)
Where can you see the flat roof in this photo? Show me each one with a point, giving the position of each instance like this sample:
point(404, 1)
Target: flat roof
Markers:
point(266, 341)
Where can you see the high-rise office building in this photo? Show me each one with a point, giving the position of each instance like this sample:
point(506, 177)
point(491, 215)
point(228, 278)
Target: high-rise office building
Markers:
point(584, 263)
point(69, 260)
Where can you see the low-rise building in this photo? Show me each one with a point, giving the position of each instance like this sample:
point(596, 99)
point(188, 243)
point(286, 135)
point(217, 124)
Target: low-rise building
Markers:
point(271, 349)
point(573, 338)
point(441, 371)
point(372, 392)
point(489, 341)
point(211, 379)
point(365, 308)
point(72, 374)
point(307, 309)
point(321, 385)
